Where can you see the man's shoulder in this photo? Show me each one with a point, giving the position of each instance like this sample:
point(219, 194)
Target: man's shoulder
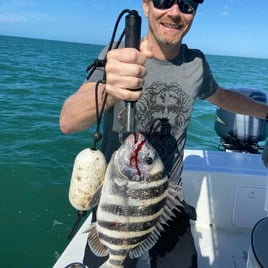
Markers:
point(191, 52)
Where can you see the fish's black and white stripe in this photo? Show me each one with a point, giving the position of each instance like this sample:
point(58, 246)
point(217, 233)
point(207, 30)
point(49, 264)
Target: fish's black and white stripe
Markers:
point(131, 210)
point(129, 221)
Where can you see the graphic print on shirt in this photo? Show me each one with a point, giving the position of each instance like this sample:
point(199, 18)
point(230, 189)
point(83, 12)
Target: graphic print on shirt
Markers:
point(165, 101)
point(166, 109)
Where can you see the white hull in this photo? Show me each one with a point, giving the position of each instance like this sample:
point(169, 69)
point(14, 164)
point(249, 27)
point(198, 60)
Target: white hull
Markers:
point(229, 191)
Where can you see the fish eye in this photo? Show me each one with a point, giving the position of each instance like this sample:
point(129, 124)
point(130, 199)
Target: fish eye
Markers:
point(149, 160)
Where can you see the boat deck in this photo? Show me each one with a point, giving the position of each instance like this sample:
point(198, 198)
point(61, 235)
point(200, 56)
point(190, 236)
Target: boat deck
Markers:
point(220, 248)
point(230, 194)
point(216, 248)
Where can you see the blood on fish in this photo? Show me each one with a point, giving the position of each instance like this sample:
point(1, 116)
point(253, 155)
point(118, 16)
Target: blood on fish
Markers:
point(134, 157)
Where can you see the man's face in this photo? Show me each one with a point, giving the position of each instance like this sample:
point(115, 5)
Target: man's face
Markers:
point(169, 26)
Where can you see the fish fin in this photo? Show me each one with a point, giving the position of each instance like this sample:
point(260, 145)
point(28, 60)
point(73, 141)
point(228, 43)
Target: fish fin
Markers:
point(174, 195)
point(96, 197)
point(94, 242)
point(172, 203)
point(147, 244)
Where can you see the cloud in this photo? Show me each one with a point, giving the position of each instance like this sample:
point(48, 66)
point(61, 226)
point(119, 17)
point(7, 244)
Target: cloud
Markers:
point(22, 17)
point(15, 11)
point(226, 11)
point(12, 18)
point(14, 4)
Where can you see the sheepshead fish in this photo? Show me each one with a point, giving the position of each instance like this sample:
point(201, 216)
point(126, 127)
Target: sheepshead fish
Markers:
point(136, 199)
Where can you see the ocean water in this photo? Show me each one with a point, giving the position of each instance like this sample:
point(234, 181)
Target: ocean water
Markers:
point(36, 159)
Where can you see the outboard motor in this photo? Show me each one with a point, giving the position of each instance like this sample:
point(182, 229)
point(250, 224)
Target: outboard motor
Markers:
point(241, 133)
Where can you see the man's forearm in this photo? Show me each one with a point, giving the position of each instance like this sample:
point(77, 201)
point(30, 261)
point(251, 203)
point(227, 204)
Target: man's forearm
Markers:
point(79, 110)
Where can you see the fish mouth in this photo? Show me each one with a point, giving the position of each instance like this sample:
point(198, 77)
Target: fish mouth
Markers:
point(132, 146)
point(134, 139)
point(137, 136)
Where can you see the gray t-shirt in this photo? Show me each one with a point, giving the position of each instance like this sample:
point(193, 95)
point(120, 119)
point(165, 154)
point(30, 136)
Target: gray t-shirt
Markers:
point(163, 112)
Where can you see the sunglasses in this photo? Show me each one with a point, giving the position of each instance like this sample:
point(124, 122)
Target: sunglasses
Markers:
point(186, 6)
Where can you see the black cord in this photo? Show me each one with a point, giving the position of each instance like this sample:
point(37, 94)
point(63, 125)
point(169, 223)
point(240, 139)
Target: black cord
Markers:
point(115, 28)
point(92, 67)
point(97, 136)
point(80, 215)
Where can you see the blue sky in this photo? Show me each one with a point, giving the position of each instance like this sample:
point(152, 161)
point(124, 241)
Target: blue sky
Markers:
point(222, 27)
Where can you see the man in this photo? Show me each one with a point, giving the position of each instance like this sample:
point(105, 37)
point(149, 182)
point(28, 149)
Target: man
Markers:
point(171, 77)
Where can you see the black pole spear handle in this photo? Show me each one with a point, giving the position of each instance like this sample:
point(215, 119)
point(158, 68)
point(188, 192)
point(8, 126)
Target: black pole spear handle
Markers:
point(132, 39)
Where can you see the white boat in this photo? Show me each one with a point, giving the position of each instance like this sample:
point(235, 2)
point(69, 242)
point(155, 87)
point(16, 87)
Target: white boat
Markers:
point(230, 193)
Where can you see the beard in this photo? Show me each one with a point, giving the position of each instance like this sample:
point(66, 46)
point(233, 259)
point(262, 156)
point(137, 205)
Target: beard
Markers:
point(171, 42)
point(166, 39)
